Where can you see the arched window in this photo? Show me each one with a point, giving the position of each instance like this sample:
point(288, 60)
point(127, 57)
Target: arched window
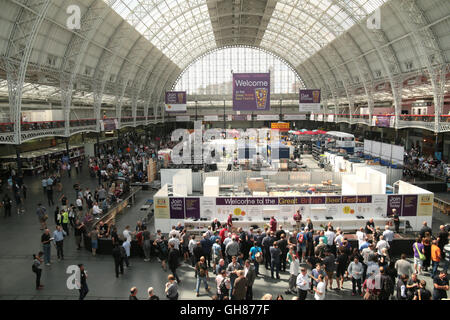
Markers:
point(211, 73)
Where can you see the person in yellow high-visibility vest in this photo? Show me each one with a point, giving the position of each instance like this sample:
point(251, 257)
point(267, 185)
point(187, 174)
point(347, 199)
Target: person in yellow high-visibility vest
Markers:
point(65, 221)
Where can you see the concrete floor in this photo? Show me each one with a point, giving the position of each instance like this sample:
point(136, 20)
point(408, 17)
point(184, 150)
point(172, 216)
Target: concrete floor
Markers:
point(20, 237)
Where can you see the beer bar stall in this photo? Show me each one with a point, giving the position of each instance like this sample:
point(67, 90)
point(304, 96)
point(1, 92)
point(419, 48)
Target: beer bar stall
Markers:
point(33, 161)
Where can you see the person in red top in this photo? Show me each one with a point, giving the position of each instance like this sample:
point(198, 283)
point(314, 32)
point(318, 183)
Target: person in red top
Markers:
point(223, 234)
point(273, 224)
point(230, 221)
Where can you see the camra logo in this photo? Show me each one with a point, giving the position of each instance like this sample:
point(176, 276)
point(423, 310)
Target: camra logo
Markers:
point(73, 22)
point(73, 281)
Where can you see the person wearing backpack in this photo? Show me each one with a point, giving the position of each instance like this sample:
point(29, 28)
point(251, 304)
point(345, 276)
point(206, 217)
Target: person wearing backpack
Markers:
point(301, 245)
point(223, 284)
point(419, 255)
point(36, 268)
point(163, 251)
point(387, 285)
point(256, 256)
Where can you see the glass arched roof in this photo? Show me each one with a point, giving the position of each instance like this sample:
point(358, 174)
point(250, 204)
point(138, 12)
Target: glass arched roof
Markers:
point(297, 29)
point(211, 74)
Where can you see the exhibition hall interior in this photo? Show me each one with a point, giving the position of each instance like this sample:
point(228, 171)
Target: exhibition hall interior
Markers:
point(224, 149)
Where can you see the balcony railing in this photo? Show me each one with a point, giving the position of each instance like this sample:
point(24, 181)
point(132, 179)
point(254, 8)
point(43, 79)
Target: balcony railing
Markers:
point(6, 127)
point(126, 119)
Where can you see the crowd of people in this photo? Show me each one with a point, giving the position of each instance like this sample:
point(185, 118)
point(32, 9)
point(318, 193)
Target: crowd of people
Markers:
point(316, 260)
point(417, 165)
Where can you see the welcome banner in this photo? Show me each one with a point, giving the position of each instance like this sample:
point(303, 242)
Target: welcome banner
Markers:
point(251, 91)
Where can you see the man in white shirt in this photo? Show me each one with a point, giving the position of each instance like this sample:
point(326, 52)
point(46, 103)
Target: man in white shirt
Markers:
point(303, 284)
point(360, 235)
point(320, 289)
point(293, 271)
point(96, 210)
point(79, 204)
point(388, 235)
point(127, 233)
point(227, 240)
point(175, 241)
point(330, 236)
point(174, 232)
point(339, 237)
point(381, 245)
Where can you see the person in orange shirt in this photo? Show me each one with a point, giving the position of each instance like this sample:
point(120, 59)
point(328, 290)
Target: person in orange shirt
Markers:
point(436, 256)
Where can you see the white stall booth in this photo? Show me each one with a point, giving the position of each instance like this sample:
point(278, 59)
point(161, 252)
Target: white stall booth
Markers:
point(363, 197)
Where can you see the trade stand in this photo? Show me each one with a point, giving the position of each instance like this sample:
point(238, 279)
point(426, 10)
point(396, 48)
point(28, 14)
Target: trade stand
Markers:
point(320, 203)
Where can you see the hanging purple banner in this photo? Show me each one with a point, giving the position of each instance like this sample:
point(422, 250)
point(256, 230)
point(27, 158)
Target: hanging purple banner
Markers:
point(192, 207)
point(176, 101)
point(251, 91)
point(409, 206)
point(309, 100)
point(175, 97)
point(383, 121)
point(176, 206)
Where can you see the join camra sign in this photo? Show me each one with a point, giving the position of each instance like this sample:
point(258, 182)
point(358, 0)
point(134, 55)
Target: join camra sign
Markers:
point(176, 101)
point(251, 91)
point(309, 100)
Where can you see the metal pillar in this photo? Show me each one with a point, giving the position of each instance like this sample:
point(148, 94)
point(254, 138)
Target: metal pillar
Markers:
point(19, 161)
point(97, 149)
point(67, 145)
point(281, 109)
point(196, 102)
point(224, 116)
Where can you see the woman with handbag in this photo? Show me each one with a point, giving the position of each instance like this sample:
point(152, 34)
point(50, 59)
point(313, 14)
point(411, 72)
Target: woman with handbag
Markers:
point(419, 255)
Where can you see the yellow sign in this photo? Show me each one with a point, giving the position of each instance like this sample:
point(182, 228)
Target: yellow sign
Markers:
point(162, 210)
point(425, 204)
point(280, 125)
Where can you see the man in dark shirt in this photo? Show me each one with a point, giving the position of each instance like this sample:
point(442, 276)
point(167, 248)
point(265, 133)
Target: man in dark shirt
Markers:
point(425, 228)
point(370, 227)
point(198, 252)
point(7, 204)
point(133, 293)
point(83, 284)
point(396, 220)
point(279, 233)
point(442, 239)
point(266, 244)
point(330, 265)
point(412, 285)
point(282, 245)
point(440, 284)
point(45, 240)
point(206, 246)
point(118, 259)
point(174, 256)
point(422, 293)
point(152, 295)
point(275, 254)
point(215, 225)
